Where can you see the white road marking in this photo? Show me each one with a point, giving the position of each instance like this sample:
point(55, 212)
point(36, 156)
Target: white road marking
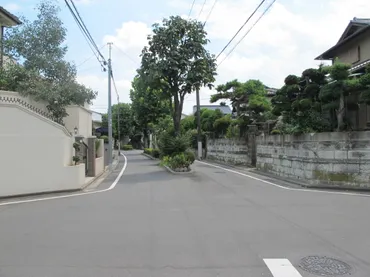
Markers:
point(281, 268)
point(282, 187)
point(112, 186)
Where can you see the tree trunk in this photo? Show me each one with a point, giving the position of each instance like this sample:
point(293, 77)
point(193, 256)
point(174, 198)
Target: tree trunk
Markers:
point(340, 113)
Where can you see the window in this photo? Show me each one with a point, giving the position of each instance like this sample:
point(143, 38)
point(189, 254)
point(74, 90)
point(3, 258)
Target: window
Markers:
point(358, 53)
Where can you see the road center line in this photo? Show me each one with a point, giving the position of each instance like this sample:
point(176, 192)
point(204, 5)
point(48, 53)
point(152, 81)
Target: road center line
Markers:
point(112, 186)
point(282, 187)
point(281, 268)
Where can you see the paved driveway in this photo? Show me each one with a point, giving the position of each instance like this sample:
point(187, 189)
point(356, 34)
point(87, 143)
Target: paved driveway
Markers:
point(211, 223)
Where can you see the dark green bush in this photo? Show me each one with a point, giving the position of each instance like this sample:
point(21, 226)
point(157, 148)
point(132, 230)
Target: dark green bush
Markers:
point(148, 151)
point(127, 147)
point(190, 156)
point(170, 145)
point(106, 139)
point(156, 153)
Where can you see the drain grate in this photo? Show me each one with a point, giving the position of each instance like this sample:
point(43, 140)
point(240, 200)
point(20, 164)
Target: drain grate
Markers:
point(324, 266)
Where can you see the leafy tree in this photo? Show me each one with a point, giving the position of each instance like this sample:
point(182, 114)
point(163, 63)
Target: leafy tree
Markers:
point(176, 62)
point(248, 100)
point(188, 123)
point(298, 103)
point(365, 86)
point(334, 95)
point(126, 120)
point(44, 74)
point(147, 106)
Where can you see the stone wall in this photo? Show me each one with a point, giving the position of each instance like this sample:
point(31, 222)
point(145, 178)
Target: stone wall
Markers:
point(322, 159)
point(233, 151)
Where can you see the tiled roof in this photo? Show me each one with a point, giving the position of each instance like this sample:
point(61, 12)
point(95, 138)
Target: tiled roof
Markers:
point(10, 15)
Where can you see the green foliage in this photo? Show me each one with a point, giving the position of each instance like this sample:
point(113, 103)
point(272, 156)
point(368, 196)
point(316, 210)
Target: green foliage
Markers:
point(127, 147)
point(76, 159)
point(248, 99)
point(171, 145)
point(44, 74)
point(188, 123)
point(156, 153)
point(221, 125)
point(105, 138)
point(148, 151)
point(179, 161)
point(194, 138)
point(76, 146)
point(176, 62)
point(97, 145)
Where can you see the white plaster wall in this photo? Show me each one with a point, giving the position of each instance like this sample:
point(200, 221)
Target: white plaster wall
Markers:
point(35, 154)
point(81, 118)
point(99, 166)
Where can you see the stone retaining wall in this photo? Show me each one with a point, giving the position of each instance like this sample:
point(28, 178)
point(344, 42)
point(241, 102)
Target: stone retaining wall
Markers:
point(337, 159)
point(234, 151)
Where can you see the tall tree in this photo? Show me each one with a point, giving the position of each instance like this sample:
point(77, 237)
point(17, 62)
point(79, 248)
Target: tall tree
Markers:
point(248, 99)
point(177, 62)
point(148, 105)
point(334, 95)
point(44, 73)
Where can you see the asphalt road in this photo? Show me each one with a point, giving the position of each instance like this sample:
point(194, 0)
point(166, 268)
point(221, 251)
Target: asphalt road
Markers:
point(211, 223)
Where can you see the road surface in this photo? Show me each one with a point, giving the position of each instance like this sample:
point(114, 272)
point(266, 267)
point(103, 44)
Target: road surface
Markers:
point(211, 223)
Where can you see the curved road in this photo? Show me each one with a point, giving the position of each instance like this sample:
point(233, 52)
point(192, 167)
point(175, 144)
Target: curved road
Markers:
point(210, 223)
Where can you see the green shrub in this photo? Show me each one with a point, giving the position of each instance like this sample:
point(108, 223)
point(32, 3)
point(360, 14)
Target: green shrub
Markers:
point(148, 151)
point(156, 153)
point(106, 139)
point(127, 147)
point(190, 156)
point(97, 144)
point(170, 145)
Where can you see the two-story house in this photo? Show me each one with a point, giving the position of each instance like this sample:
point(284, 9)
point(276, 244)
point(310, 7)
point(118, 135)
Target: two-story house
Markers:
point(6, 20)
point(353, 48)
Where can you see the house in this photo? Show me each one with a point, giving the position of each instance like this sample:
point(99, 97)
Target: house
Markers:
point(6, 20)
point(223, 108)
point(353, 47)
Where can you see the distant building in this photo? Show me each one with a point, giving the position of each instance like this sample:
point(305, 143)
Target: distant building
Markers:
point(224, 109)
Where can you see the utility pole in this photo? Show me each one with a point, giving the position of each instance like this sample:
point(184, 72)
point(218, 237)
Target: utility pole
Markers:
point(110, 133)
point(118, 129)
point(200, 152)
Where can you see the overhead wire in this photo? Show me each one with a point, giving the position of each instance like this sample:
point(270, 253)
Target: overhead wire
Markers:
point(210, 12)
point(191, 9)
point(260, 4)
point(124, 53)
point(90, 41)
point(201, 10)
point(89, 58)
point(87, 31)
point(250, 29)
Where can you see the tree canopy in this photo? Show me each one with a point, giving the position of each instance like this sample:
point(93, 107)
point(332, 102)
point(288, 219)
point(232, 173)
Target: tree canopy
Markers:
point(176, 62)
point(42, 72)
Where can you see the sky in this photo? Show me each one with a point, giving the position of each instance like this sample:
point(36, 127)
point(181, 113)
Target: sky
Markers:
point(285, 41)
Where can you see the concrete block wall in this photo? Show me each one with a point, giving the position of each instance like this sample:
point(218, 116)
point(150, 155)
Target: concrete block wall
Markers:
point(234, 151)
point(337, 159)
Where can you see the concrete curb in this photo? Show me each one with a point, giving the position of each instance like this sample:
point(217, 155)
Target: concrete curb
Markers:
point(150, 157)
point(102, 175)
point(178, 173)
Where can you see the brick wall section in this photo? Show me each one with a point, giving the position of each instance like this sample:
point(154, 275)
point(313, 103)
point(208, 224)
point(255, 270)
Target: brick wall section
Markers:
point(321, 159)
point(229, 151)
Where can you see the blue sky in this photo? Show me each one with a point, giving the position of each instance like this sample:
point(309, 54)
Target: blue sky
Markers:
point(285, 41)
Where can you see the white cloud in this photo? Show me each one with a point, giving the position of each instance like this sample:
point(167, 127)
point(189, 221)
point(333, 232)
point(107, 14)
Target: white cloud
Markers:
point(285, 41)
point(12, 7)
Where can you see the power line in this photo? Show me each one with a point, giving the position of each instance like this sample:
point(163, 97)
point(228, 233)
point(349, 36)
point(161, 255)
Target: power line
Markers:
point(90, 41)
point(124, 53)
point(201, 10)
point(240, 28)
point(191, 9)
point(209, 14)
point(250, 29)
point(87, 31)
point(89, 58)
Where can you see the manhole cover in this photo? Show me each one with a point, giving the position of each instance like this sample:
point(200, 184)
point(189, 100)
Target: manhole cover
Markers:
point(324, 266)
